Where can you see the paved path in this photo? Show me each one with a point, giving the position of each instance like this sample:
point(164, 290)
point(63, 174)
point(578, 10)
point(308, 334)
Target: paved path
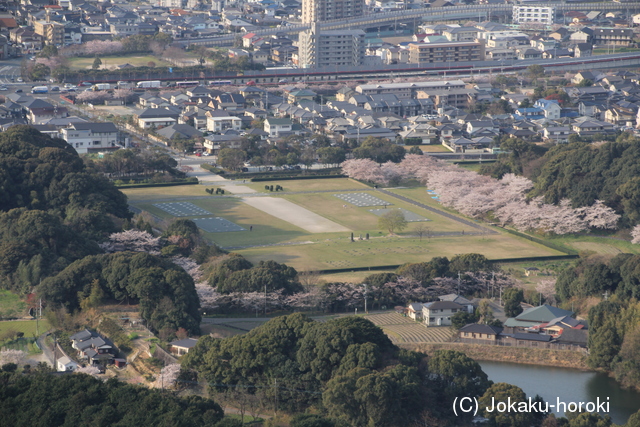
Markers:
point(483, 230)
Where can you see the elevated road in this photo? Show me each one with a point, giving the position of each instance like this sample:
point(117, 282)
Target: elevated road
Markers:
point(484, 11)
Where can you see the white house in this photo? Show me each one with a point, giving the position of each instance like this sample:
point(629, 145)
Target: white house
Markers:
point(551, 108)
point(65, 364)
point(276, 127)
point(468, 305)
point(220, 123)
point(414, 310)
point(439, 313)
point(91, 137)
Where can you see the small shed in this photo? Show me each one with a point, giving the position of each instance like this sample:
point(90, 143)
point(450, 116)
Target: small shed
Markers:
point(120, 363)
point(65, 364)
point(181, 347)
point(529, 271)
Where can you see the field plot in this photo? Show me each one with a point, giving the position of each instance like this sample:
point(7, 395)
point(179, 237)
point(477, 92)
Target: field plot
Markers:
point(181, 209)
point(137, 195)
point(362, 199)
point(408, 215)
point(111, 62)
point(339, 253)
point(402, 329)
point(217, 225)
point(335, 184)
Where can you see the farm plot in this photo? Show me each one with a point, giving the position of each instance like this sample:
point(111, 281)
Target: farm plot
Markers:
point(402, 329)
point(417, 333)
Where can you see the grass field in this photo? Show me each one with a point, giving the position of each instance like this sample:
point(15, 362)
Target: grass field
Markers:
point(113, 61)
point(334, 184)
point(341, 253)
point(28, 327)
point(11, 305)
point(310, 251)
point(436, 148)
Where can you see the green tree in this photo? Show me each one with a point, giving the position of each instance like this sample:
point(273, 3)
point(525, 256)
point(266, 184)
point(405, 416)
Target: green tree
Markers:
point(331, 155)
point(379, 150)
point(307, 420)
point(585, 83)
point(512, 298)
point(462, 318)
point(604, 345)
point(97, 62)
point(505, 393)
point(231, 158)
point(39, 72)
point(48, 51)
point(469, 262)
point(392, 221)
point(535, 71)
point(415, 150)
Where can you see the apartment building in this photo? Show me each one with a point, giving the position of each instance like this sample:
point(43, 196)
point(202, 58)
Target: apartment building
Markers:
point(324, 10)
point(91, 137)
point(322, 49)
point(534, 14)
point(408, 90)
point(51, 32)
point(420, 53)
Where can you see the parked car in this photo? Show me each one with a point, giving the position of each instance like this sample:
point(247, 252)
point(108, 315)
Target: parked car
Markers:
point(3, 88)
point(19, 91)
point(20, 79)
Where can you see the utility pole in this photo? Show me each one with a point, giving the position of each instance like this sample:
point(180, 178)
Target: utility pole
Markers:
point(493, 282)
point(265, 299)
point(275, 408)
point(365, 299)
point(458, 283)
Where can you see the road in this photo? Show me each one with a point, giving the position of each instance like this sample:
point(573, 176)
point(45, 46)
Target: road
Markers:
point(10, 71)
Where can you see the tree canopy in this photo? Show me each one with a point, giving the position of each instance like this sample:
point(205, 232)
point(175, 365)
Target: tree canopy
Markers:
point(53, 208)
point(165, 292)
point(84, 401)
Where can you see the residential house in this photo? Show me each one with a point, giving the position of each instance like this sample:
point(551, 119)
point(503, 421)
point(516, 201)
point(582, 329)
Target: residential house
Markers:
point(414, 311)
point(582, 50)
point(181, 347)
point(277, 127)
point(92, 347)
point(468, 305)
point(534, 316)
point(295, 96)
point(439, 313)
point(156, 117)
point(479, 334)
point(179, 131)
point(592, 127)
point(40, 111)
point(557, 134)
point(88, 137)
point(424, 132)
point(550, 107)
point(218, 121)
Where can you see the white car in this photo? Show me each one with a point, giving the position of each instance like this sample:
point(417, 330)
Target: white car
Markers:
point(3, 88)
point(19, 80)
point(68, 86)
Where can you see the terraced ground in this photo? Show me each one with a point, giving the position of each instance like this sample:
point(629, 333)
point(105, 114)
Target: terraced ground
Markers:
point(402, 329)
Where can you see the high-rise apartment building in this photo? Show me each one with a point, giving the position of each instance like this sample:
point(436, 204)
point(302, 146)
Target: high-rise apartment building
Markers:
point(534, 14)
point(321, 49)
point(324, 10)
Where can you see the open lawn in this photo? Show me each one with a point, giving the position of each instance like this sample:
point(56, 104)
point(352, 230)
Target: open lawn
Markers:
point(361, 220)
point(109, 62)
point(273, 237)
point(155, 193)
point(336, 184)
point(28, 327)
point(11, 305)
point(342, 253)
point(436, 148)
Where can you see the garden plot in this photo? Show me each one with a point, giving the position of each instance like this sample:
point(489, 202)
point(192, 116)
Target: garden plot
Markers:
point(362, 200)
point(181, 209)
point(217, 225)
point(408, 215)
point(294, 214)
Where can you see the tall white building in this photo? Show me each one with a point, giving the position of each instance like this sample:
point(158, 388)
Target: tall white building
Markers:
point(324, 10)
point(534, 14)
point(331, 48)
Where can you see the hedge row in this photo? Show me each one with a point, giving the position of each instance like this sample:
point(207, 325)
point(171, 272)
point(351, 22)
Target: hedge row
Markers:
point(192, 181)
point(289, 178)
point(546, 243)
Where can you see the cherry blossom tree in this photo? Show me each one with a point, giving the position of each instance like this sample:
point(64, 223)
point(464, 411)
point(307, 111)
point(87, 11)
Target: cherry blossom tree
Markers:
point(132, 240)
point(12, 356)
point(363, 170)
point(547, 287)
point(635, 235)
point(92, 97)
point(168, 376)
point(89, 370)
point(600, 216)
point(209, 298)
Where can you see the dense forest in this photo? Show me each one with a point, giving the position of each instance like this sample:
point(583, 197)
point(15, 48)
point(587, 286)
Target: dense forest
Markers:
point(53, 208)
point(41, 398)
point(580, 171)
point(165, 293)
